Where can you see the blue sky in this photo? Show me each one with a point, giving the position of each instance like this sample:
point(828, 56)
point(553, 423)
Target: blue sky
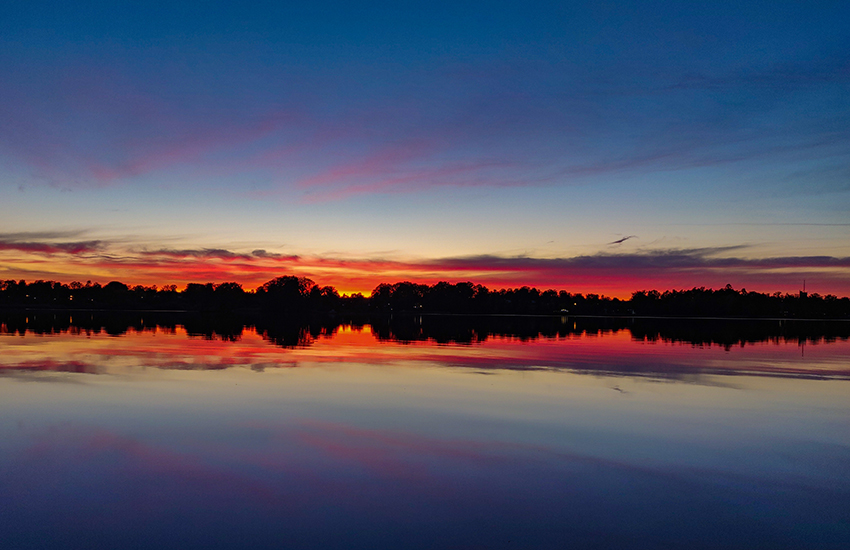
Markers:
point(427, 133)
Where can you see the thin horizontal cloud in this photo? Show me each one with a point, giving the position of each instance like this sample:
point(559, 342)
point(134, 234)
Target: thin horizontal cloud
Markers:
point(606, 272)
point(386, 160)
point(417, 179)
point(660, 269)
point(45, 247)
point(219, 253)
point(410, 160)
point(104, 126)
point(40, 235)
point(400, 167)
point(194, 253)
point(261, 253)
point(673, 258)
point(781, 76)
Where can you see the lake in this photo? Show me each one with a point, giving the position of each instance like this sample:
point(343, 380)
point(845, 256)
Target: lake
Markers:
point(423, 432)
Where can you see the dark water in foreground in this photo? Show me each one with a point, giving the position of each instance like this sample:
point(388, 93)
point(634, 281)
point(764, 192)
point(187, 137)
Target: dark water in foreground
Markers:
point(426, 433)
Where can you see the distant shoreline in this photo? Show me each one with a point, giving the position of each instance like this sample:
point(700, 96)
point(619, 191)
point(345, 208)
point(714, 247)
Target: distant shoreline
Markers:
point(297, 296)
point(390, 314)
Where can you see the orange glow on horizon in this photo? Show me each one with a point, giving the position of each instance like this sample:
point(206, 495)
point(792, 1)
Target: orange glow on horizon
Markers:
point(351, 276)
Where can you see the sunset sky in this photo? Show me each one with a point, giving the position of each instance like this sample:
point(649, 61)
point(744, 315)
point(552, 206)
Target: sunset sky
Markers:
point(593, 147)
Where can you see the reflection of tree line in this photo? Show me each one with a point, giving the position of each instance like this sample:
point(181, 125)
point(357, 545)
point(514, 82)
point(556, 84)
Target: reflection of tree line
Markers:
point(229, 328)
point(441, 329)
point(293, 296)
point(724, 332)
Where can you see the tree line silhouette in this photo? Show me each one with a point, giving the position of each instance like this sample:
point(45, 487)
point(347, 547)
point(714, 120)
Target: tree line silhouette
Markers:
point(297, 296)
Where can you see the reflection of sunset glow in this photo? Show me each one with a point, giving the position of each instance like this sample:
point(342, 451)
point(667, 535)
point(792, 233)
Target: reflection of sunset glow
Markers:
point(600, 352)
point(233, 433)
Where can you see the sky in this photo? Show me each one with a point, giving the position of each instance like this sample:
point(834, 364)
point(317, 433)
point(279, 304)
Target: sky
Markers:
point(591, 147)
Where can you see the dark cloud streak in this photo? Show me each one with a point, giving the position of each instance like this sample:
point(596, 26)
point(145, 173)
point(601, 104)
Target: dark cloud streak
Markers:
point(217, 253)
point(673, 259)
point(80, 247)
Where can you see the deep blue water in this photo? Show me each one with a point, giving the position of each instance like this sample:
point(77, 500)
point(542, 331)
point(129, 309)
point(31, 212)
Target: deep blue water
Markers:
point(156, 439)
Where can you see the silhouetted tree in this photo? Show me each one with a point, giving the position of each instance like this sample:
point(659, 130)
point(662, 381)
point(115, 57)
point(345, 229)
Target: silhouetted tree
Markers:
point(291, 295)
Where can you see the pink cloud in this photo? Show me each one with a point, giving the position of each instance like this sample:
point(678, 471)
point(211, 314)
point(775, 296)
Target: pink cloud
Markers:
point(93, 125)
point(612, 274)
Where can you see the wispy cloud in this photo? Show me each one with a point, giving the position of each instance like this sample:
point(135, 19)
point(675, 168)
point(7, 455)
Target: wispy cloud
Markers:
point(92, 126)
point(537, 125)
point(41, 235)
point(780, 77)
point(218, 253)
point(613, 273)
point(662, 263)
point(49, 247)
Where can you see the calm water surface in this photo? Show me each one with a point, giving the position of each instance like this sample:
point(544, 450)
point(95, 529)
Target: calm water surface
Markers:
point(359, 437)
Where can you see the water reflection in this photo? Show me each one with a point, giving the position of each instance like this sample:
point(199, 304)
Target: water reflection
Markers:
point(170, 432)
point(442, 329)
point(618, 347)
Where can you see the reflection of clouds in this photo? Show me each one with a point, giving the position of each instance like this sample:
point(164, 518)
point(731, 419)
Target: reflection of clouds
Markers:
point(303, 466)
point(60, 456)
point(394, 454)
point(50, 365)
point(613, 352)
point(303, 480)
point(29, 375)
